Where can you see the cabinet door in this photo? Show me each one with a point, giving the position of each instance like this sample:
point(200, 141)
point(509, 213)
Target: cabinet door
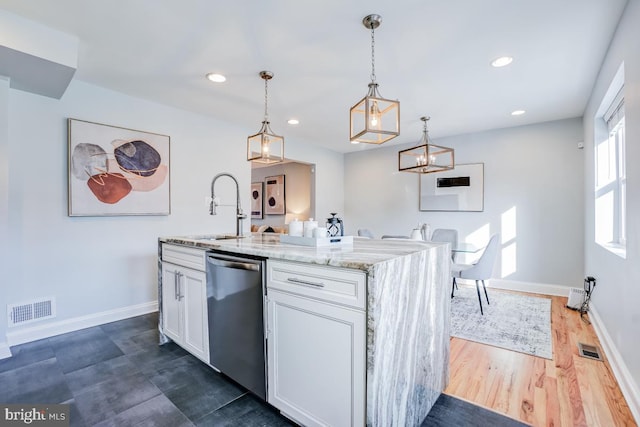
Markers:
point(171, 313)
point(316, 353)
point(193, 295)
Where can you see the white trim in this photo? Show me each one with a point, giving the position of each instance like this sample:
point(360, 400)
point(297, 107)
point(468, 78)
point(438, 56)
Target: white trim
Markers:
point(532, 287)
point(620, 371)
point(615, 248)
point(47, 330)
point(5, 351)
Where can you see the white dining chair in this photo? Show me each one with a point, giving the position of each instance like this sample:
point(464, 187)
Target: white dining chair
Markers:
point(481, 270)
point(394, 236)
point(365, 232)
point(445, 235)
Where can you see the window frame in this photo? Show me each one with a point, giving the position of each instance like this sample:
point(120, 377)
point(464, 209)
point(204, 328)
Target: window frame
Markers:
point(610, 175)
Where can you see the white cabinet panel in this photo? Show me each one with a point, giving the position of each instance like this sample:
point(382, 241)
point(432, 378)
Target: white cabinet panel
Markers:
point(171, 313)
point(331, 284)
point(184, 308)
point(316, 354)
point(194, 294)
point(181, 255)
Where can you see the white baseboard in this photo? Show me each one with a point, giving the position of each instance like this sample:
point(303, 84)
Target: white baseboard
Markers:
point(532, 287)
point(620, 371)
point(5, 351)
point(51, 329)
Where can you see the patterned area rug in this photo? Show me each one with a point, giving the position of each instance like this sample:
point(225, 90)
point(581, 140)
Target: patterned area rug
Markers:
point(516, 322)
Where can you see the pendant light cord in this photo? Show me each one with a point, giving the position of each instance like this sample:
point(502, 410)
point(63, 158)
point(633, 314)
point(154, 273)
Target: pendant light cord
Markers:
point(425, 131)
point(373, 56)
point(266, 115)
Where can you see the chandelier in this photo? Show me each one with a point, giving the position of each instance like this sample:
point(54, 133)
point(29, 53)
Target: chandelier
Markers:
point(374, 119)
point(265, 146)
point(426, 157)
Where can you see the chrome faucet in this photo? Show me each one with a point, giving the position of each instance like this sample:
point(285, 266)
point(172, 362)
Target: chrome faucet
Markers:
point(212, 207)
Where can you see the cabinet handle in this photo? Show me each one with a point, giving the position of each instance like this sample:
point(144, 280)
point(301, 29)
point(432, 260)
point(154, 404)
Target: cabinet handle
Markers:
point(180, 295)
point(305, 282)
point(175, 284)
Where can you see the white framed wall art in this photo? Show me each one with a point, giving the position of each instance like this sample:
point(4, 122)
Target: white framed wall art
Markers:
point(455, 190)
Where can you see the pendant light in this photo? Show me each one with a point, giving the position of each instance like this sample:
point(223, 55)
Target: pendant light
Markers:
point(374, 119)
point(426, 157)
point(265, 146)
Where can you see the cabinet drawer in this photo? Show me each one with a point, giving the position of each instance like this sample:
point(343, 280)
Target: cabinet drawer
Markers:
point(338, 285)
point(182, 255)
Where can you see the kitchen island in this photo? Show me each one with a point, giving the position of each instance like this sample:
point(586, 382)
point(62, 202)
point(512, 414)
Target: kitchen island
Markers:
point(406, 305)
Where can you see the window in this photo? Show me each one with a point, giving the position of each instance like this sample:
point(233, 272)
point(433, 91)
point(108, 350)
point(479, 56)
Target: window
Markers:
point(611, 180)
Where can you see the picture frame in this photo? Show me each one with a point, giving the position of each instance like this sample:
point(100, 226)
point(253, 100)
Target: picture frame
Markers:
point(274, 200)
point(460, 189)
point(256, 200)
point(116, 171)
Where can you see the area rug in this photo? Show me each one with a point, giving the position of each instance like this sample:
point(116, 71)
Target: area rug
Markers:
point(513, 321)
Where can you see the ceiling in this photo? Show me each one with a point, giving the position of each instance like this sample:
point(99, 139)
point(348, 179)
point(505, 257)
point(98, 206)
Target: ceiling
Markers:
point(433, 56)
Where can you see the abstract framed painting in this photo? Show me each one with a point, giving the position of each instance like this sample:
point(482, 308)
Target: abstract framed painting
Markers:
point(117, 171)
point(457, 190)
point(274, 197)
point(256, 200)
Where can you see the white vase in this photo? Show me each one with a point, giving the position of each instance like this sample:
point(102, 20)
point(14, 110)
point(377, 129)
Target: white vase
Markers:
point(416, 234)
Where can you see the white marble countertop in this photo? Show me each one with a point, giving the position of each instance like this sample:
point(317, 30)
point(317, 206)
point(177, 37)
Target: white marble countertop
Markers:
point(362, 255)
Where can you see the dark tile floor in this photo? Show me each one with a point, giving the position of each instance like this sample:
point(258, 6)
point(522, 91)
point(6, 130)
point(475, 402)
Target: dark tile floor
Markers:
point(117, 375)
point(449, 411)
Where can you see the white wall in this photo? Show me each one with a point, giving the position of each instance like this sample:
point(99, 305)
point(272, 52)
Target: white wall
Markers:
point(95, 264)
point(536, 169)
point(299, 184)
point(329, 171)
point(4, 202)
point(617, 295)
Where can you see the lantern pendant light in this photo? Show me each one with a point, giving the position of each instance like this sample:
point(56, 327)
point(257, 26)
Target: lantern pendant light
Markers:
point(426, 157)
point(265, 146)
point(374, 119)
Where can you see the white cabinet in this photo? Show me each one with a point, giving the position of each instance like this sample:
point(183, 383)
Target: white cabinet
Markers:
point(184, 304)
point(171, 304)
point(316, 343)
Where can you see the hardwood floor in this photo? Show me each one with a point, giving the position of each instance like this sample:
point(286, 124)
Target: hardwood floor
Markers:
point(569, 390)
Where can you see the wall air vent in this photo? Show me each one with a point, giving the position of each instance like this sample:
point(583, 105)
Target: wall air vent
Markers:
point(31, 311)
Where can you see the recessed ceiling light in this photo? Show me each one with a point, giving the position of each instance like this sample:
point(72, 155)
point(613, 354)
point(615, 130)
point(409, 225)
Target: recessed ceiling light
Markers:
point(216, 78)
point(502, 61)
point(518, 112)
point(293, 121)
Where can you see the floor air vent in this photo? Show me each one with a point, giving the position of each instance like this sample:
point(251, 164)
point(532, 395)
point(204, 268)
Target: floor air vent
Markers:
point(589, 351)
point(31, 311)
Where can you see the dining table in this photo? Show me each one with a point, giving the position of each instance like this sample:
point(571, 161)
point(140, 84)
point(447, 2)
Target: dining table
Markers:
point(467, 248)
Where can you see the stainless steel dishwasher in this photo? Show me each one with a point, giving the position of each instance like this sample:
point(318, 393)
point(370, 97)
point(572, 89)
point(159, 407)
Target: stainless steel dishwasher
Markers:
point(235, 303)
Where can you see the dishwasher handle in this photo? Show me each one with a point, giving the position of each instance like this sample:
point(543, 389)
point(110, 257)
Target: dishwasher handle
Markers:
point(233, 264)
